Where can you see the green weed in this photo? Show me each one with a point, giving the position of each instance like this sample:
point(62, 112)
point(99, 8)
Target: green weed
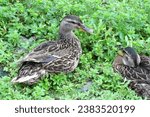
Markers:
point(25, 24)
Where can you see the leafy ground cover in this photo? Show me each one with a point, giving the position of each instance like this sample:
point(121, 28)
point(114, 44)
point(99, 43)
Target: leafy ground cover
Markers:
point(24, 24)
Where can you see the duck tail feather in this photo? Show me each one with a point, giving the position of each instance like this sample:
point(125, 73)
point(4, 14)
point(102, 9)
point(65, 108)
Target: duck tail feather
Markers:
point(29, 79)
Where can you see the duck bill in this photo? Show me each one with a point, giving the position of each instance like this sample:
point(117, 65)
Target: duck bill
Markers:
point(120, 53)
point(86, 29)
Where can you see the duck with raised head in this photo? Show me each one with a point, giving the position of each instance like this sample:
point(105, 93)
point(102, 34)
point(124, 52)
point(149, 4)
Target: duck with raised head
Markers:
point(135, 68)
point(57, 56)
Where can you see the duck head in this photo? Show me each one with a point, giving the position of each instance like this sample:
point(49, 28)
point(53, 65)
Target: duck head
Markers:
point(130, 57)
point(72, 22)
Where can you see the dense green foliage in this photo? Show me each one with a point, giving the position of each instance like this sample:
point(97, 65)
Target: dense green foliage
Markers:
point(25, 24)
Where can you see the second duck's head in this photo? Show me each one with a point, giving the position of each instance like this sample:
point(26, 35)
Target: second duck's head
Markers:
point(71, 22)
point(130, 57)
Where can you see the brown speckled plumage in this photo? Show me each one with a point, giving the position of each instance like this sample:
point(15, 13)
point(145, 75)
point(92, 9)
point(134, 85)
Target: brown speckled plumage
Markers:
point(138, 75)
point(57, 56)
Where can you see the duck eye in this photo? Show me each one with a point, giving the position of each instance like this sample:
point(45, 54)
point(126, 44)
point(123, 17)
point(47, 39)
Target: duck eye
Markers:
point(127, 58)
point(72, 22)
point(79, 24)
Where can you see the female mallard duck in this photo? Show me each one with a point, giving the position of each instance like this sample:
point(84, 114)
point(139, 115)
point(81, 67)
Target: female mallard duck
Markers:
point(135, 68)
point(53, 56)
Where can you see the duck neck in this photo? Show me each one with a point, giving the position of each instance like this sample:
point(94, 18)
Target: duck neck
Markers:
point(68, 36)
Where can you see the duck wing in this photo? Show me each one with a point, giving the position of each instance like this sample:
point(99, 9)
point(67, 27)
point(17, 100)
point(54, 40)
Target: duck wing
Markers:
point(43, 53)
point(137, 73)
point(142, 89)
point(32, 68)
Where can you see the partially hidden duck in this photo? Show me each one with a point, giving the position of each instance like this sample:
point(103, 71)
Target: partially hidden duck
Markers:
point(136, 69)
